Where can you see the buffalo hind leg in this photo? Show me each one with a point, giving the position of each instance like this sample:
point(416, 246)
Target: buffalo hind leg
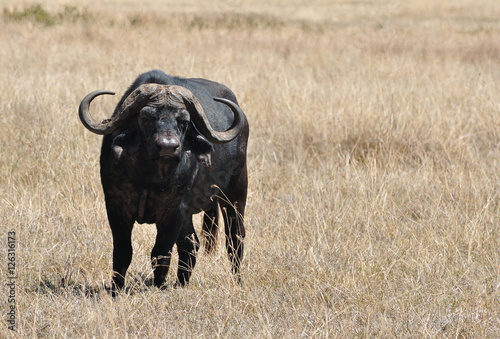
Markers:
point(187, 246)
point(235, 233)
point(210, 226)
point(233, 207)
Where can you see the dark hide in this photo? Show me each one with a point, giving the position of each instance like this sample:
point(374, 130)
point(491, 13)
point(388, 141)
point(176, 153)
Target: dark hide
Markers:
point(159, 169)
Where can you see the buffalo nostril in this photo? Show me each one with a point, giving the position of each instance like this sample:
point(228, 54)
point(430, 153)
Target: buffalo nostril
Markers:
point(167, 146)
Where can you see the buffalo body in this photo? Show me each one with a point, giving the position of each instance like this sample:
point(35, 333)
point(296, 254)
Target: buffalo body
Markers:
point(172, 148)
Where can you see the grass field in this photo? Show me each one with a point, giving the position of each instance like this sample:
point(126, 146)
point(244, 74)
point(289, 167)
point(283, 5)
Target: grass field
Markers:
point(373, 160)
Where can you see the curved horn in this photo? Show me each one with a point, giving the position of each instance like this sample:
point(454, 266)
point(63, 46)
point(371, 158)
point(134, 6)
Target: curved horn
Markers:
point(129, 107)
point(104, 127)
point(201, 122)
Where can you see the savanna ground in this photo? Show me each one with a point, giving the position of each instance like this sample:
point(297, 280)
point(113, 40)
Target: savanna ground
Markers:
point(374, 154)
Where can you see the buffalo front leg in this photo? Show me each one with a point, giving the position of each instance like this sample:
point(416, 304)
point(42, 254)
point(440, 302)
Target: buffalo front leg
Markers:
point(187, 246)
point(121, 229)
point(167, 233)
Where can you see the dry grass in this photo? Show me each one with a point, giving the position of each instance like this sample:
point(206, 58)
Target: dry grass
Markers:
point(374, 156)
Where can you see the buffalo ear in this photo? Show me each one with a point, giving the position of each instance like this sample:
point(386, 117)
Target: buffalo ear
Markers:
point(117, 151)
point(205, 159)
point(124, 144)
point(117, 146)
point(203, 149)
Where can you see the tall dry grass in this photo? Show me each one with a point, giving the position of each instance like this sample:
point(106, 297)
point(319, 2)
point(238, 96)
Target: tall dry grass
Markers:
point(374, 155)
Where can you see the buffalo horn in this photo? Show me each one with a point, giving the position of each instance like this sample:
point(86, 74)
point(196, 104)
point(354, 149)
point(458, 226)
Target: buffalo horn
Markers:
point(130, 106)
point(201, 122)
point(104, 127)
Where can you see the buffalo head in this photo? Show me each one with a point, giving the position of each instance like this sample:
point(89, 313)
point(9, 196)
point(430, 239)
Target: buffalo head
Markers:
point(164, 115)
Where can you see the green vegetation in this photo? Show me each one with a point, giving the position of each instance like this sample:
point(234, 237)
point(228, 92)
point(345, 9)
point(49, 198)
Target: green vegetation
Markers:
point(38, 14)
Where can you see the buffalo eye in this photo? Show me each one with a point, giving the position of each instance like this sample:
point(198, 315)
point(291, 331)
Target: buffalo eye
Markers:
point(183, 120)
point(183, 124)
point(146, 115)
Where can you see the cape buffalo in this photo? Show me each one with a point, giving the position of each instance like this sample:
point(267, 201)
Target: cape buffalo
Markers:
point(172, 148)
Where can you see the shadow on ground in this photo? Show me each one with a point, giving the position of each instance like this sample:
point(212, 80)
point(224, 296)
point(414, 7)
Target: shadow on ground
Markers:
point(64, 287)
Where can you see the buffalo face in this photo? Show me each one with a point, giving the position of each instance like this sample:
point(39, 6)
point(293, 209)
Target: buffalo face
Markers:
point(163, 130)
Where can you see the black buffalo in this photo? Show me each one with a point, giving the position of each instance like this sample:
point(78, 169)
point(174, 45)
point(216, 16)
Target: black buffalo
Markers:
point(172, 148)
